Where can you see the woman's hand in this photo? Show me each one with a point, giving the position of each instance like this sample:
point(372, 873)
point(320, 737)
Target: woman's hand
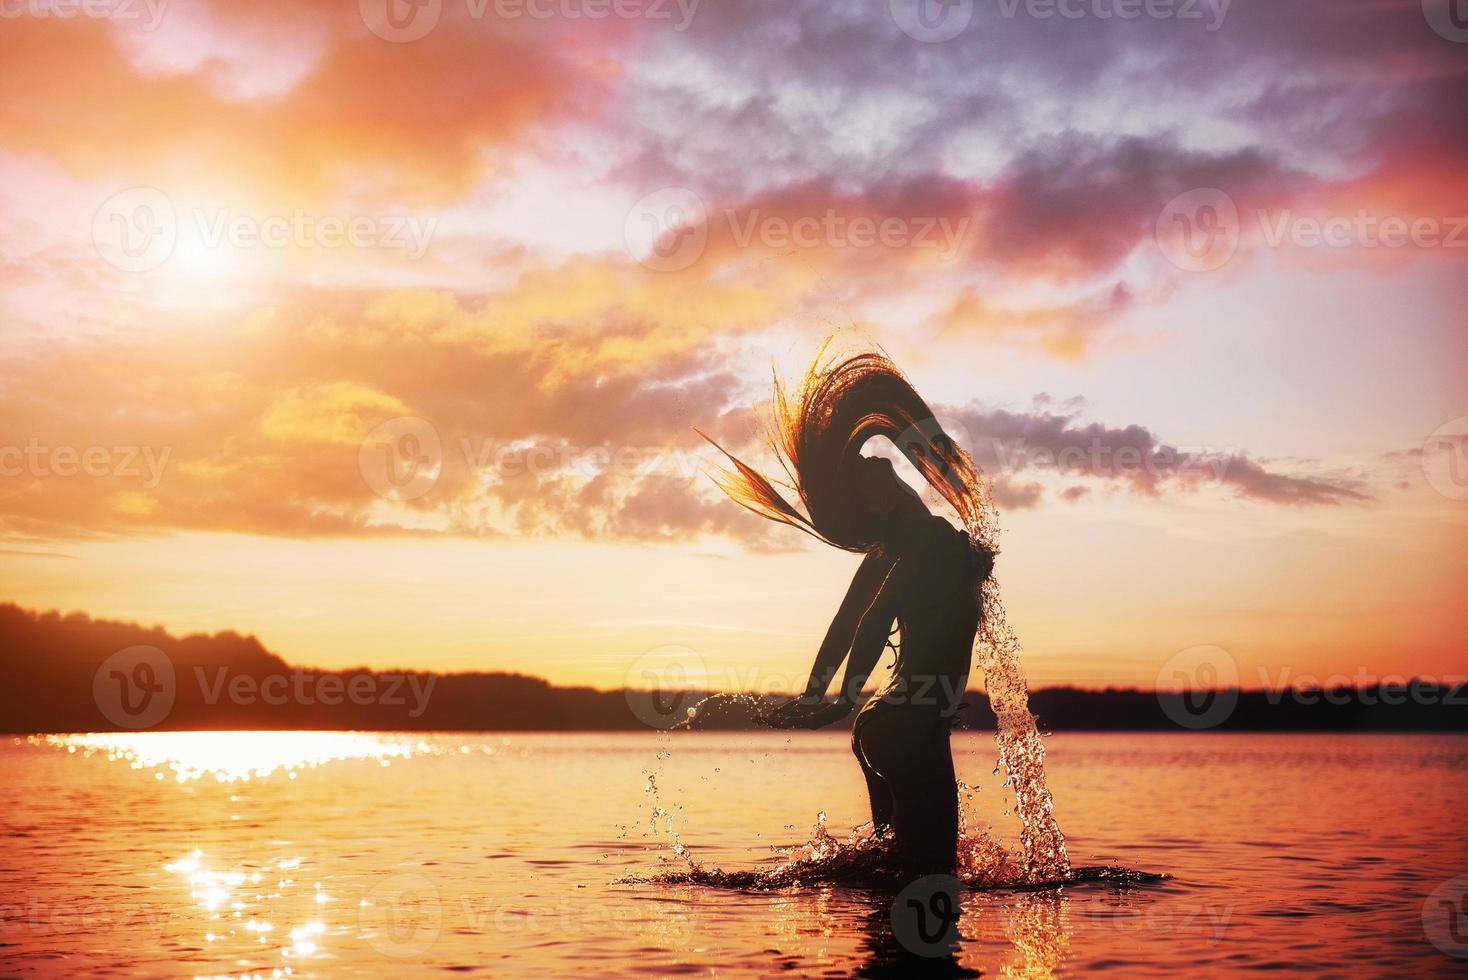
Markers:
point(807, 712)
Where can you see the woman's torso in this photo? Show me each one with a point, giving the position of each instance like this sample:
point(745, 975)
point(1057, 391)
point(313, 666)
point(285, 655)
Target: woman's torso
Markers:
point(937, 618)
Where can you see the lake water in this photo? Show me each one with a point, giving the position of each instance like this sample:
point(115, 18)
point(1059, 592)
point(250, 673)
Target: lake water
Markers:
point(335, 854)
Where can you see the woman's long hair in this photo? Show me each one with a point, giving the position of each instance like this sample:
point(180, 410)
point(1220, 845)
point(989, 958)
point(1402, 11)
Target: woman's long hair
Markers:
point(818, 435)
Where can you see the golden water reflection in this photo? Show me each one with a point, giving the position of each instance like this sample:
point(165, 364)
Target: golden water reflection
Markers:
point(259, 912)
point(238, 756)
point(242, 909)
point(179, 854)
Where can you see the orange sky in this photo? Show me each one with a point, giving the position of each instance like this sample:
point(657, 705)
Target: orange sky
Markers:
point(243, 244)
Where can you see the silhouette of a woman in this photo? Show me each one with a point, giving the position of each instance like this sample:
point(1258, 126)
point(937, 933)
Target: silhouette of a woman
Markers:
point(919, 572)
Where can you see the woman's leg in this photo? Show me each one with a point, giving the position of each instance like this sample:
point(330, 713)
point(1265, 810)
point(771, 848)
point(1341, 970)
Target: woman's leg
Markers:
point(908, 750)
point(878, 792)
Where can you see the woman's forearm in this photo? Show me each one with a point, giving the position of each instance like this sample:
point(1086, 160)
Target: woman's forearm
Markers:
point(866, 650)
point(870, 638)
point(828, 658)
point(865, 585)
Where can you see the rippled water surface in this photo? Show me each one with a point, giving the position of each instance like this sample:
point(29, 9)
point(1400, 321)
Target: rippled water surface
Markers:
point(330, 854)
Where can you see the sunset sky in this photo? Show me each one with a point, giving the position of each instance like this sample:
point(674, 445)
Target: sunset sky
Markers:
point(240, 240)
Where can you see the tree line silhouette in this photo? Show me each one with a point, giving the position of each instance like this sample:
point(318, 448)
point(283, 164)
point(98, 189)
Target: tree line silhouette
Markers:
point(53, 664)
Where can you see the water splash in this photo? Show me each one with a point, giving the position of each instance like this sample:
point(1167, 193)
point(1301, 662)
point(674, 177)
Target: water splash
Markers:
point(1021, 759)
point(731, 709)
point(662, 819)
point(867, 858)
point(1021, 752)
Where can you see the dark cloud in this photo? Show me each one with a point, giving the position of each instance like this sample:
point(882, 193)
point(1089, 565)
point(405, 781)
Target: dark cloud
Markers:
point(1009, 495)
point(1082, 205)
point(1007, 443)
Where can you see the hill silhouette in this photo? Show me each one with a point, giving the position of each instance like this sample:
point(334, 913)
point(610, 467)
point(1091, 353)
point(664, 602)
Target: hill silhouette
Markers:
point(72, 673)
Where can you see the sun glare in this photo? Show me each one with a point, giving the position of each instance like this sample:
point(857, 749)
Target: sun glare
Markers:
point(237, 756)
point(195, 260)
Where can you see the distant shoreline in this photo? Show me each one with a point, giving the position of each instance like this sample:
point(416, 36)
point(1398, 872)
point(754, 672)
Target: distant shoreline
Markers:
point(72, 674)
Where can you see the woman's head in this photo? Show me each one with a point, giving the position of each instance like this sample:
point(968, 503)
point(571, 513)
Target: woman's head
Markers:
point(819, 433)
point(881, 496)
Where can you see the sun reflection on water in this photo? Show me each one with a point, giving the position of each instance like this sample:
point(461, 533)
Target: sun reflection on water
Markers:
point(237, 756)
point(240, 907)
point(267, 913)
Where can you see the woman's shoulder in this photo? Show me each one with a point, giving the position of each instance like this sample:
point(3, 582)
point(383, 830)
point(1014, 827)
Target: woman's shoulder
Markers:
point(938, 542)
point(947, 535)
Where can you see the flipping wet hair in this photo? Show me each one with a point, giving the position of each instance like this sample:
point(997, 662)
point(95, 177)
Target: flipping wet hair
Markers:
point(818, 434)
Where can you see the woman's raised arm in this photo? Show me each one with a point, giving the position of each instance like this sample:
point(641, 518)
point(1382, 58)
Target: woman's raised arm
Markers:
point(865, 585)
point(875, 628)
